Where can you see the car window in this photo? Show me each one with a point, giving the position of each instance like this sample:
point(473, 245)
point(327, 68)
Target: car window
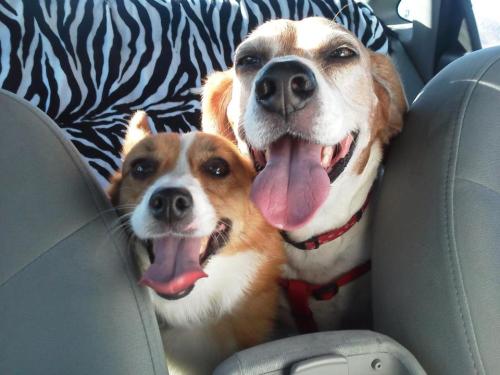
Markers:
point(487, 14)
point(404, 9)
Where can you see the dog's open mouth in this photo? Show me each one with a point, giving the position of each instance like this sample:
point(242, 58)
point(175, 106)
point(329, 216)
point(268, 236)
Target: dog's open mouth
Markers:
point(334, 159)
point(177, 262)
point(295, 176)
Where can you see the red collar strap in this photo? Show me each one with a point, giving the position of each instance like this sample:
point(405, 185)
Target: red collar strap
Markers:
point(316, 241)
point(298, 293)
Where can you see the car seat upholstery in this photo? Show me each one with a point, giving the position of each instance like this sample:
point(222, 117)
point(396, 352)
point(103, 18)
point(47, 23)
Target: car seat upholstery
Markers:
point(69, 301)
point(412, 83)
point(436, 255)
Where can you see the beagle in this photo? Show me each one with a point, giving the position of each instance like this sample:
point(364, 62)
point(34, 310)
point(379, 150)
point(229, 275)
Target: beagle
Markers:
point(213, 260)
point(313, 108)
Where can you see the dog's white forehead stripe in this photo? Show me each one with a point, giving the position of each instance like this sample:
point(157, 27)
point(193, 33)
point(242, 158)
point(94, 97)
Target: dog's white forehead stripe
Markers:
point(182, 165)
point(272, 28)
point(312, 35)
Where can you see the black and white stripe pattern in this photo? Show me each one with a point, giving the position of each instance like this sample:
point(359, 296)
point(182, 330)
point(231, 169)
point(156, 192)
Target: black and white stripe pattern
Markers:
point(89, 64)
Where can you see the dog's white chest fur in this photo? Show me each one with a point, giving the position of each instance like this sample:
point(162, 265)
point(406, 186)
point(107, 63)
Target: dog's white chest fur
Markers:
point(331, 259)
point(351, 306)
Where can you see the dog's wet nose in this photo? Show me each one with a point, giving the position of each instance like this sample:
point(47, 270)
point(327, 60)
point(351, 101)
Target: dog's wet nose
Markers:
point(171, 204)
point(285, 86)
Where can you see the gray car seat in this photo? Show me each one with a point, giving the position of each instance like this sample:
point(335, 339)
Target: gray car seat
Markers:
point(436, 256)
point(69, 301)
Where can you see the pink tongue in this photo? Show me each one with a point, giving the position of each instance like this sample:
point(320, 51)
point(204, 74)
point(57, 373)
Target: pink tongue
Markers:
point(176, 266)
point(293, 185)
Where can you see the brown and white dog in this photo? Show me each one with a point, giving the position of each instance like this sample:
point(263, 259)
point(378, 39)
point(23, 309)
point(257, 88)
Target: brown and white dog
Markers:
point(214, 261)
point(314, 108)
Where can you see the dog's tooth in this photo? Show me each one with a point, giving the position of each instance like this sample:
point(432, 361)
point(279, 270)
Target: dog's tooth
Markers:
point(326, 156)
point(266, 154)
point(204, 244)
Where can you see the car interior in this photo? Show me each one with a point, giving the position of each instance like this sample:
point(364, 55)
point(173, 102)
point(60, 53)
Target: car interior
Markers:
point(69, 298)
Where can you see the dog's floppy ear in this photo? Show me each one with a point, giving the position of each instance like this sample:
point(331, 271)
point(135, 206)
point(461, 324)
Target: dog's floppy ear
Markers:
point(392, 104)
point(137, 129)
point(215, 102)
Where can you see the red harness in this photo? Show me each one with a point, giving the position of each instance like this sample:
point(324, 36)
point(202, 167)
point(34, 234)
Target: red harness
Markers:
point(298, 292)
point(316, 241)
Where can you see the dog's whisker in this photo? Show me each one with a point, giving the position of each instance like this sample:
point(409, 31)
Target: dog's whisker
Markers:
point(122, 218)
point(117, 208)
point(117, 226)
point(340, 11)
point(121, 222)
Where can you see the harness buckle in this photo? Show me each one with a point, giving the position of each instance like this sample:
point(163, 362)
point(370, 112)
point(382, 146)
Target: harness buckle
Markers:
point(326, 292)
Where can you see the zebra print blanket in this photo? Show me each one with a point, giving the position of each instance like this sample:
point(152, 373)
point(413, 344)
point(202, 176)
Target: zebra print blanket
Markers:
point(90, 63)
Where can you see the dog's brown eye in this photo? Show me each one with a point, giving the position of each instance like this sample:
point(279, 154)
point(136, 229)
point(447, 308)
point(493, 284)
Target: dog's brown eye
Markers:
point(247, 61)
point(216, 167)
point(143, 168)
point(342, 53)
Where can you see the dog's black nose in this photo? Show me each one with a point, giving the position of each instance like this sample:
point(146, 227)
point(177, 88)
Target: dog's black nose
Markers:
point(171, 204)
point(285, 86)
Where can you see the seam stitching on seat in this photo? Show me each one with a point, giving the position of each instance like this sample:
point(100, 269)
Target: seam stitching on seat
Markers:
point(41, 255)
point(448, 208)
point(240, 365)
point(485, 187)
